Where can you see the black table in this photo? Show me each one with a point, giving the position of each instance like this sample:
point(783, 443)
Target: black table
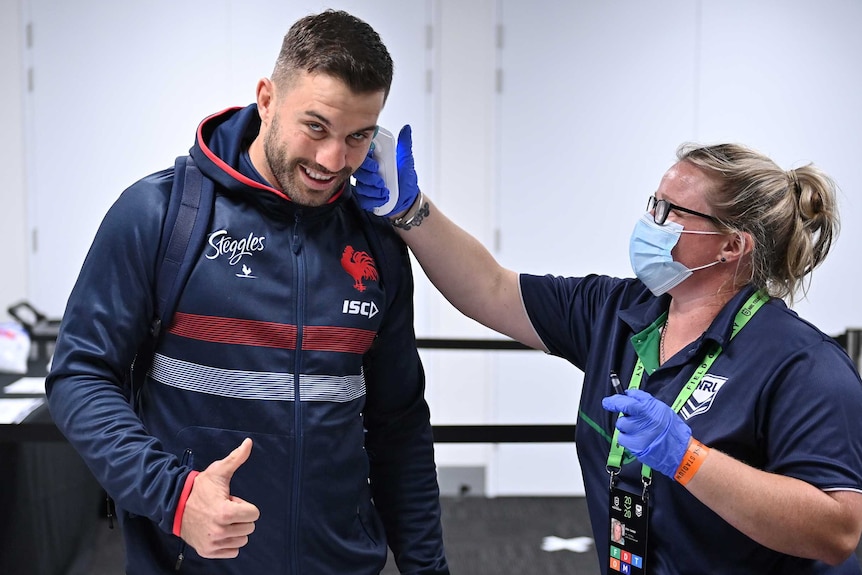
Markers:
point(49, 500)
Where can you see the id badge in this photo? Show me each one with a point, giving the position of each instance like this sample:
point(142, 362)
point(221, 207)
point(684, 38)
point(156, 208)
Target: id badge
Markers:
point(628, 536)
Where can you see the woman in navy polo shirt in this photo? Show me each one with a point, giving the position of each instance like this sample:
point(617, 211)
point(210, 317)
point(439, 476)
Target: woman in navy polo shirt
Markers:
point(737, 445)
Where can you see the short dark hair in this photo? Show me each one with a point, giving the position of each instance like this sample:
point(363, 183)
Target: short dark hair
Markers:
point(337, 44)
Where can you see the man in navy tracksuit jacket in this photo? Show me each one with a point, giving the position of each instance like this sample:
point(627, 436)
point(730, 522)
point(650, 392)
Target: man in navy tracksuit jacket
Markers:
point(294, 330)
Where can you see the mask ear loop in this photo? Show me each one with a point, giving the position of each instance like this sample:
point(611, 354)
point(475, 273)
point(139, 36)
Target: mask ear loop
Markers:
point(702, 232)
point(706, 233)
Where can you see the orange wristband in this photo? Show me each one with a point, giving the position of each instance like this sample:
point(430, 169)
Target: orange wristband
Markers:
point(695, 453)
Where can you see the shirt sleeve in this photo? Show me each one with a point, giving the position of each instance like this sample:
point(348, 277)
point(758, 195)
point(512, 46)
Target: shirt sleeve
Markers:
point(399, 439)
point(106, 319)
point(810, 418)
point(565, 311)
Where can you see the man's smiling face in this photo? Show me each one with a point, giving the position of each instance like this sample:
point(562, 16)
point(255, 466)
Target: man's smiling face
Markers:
point(315, 133)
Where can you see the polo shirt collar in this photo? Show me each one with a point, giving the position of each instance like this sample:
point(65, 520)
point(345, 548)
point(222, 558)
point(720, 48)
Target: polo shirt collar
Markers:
point(721, 327)
point(642, 318)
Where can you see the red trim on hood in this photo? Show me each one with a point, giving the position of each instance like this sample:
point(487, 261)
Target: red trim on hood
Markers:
point(234, 173)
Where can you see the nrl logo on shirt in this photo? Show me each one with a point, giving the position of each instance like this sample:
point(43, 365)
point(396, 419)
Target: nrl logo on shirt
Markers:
point(702, 398)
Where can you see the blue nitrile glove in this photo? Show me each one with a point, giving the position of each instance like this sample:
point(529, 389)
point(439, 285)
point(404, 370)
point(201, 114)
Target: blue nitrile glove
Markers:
point(651, 430)
point(370, 189)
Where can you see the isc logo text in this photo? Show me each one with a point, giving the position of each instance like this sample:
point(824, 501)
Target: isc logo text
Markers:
point(354, 307)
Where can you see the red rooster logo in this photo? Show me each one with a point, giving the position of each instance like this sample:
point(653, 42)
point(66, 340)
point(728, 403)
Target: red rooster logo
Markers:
point(359, 265)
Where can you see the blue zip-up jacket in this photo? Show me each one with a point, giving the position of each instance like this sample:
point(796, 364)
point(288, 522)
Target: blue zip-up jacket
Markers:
point(286, 332)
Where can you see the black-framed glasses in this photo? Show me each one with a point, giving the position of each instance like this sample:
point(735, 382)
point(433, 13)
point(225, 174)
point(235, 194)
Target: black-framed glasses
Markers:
point(661, 208)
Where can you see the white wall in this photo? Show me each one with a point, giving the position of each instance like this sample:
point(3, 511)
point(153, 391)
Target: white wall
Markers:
point(13, 204)
point(595, 98)
point(120, 87)
point(550, 167)
point(459, 390)
point(790, 84)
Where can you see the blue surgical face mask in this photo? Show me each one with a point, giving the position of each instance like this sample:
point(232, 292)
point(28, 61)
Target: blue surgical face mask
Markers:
point(650, 254)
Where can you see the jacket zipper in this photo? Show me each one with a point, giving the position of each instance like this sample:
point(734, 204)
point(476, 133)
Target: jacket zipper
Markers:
point(181, 554)
point(297, 407)
point(109, 504)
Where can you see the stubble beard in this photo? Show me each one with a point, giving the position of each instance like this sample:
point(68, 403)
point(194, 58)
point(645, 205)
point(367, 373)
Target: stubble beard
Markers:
point(286, 172)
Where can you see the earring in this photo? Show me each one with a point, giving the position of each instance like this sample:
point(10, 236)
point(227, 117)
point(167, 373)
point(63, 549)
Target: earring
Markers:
point(723, 259)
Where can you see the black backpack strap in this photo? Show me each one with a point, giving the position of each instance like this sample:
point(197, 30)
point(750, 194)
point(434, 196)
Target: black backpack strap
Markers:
point(185, 227)
point(187, 221)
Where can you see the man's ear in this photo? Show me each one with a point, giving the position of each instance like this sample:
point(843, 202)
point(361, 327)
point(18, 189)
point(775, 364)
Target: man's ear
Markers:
point(265, 99)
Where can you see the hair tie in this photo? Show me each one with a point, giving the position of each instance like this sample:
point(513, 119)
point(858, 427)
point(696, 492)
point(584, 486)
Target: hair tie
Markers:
point(794, 181)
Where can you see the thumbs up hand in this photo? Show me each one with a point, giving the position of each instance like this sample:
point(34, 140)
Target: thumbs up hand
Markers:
point(215, 523)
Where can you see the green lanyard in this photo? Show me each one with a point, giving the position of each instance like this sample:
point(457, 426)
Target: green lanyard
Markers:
point(747, 311)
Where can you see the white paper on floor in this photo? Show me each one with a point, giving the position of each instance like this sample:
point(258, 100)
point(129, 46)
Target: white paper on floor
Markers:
point(576, 544)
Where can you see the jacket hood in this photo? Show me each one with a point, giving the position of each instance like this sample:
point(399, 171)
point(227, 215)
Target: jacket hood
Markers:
point(220, 140)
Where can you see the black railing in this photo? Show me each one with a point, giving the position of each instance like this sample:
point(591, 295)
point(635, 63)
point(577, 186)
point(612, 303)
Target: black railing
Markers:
point(851, 340)
point(40, 428)
point(487, 433)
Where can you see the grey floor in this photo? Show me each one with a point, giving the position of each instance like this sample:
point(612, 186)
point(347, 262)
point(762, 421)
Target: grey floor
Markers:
point(483, 536)
point(499, 536)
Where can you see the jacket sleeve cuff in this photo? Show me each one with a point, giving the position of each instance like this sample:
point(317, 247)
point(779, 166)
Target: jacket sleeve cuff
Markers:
point(181, 505)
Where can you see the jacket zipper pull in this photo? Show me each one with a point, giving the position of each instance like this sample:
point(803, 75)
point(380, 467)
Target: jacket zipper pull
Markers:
point(186, 460)
point(297, 239)
point(108, 505)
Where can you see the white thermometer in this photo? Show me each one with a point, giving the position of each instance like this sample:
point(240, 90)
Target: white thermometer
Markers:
point(383, 152)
